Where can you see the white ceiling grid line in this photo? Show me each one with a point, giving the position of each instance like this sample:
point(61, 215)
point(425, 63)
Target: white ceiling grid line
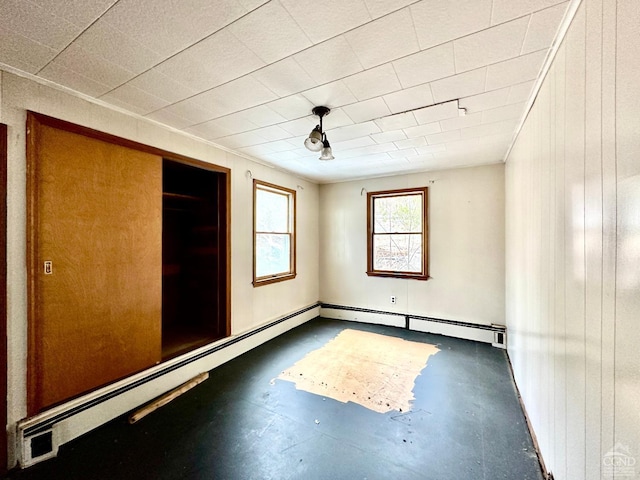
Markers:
point(246, 73)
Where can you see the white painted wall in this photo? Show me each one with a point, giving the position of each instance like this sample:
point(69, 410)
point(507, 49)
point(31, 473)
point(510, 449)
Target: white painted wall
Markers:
point(573, 246)
point(250, 306)
point(466, 243)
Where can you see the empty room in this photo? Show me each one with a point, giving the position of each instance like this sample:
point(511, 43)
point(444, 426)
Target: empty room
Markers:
point(355, 239)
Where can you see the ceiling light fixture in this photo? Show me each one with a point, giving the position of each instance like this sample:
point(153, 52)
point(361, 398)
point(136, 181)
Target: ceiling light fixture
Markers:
point(326, 149)
point(317, 139)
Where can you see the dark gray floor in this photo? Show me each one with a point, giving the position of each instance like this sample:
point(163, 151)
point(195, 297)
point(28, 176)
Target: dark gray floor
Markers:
point(466, 423)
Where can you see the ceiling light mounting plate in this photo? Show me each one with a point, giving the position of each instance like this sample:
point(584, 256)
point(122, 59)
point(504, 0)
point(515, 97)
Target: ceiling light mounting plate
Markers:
point(321, 111)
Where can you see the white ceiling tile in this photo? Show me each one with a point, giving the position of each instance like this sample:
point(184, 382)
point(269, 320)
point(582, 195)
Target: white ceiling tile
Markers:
point(245, 139)
point(334, 17)
point(504, 127)
point(212, 62)
point(404, 153)
point(228, 125)
point(457, 123)
point(491, 45)
point(160, 85)
point(31, 21)
point(367, 110)
point(426, 66)
point(422, 130)
point(391, 136)
point(409, 99)
point(444, 137)
point(397, 122)
point(22, 52)
point(106, 42)
point(263, 116)
point(211, 130)
point(270, 32)
point(378, 8)
point(78, 12)
point(93, 67)
point(385, 39)
point(420, 160)
point(236, 95)
point(285, 77)
point(281, 156)
point(354, 131)
point(292, 107)
point(355, 143)
point(300, 126)
point(332, 95)
point(79, 83)
point(337, 118)
point(280, 146)
point(458, 86)
point(374, 82)
point(485, 101)
point(363, 151)
point(516, 70)
point(189, 109)
point(543, 28)
point(519, 92)
point(504, 10)
point(507, 112)
point(257, 150)
point(191, 21)
point(273, 133)
point(167, 117)
point(432, 149)
point(329, 61)
point(411, 143)
point(135, 99)
point(252, 4)
point(439, 21)
point(437, 112)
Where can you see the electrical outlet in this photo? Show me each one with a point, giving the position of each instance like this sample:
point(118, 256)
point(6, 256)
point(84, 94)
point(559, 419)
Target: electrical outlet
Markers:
point(393, 299)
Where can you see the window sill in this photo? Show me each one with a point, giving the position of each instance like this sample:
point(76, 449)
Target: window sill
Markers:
point(274, 279)
point(408, 276)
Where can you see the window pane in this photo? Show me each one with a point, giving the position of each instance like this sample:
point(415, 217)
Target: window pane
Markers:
point(397, 253)
point(272, 254)
point(398, 214)
point(272, 211)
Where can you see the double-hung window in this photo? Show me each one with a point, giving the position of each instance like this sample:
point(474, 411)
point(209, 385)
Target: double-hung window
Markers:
point(274, 238)
point(397, 233)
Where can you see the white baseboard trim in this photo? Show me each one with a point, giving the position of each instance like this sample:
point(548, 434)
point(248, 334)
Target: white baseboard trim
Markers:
point(39, 437)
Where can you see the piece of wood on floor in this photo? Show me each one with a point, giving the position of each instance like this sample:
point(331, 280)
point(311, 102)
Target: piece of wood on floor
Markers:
point(372, 370)
point(167, 397)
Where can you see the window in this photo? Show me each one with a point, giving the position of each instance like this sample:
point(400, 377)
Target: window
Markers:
point(274, 239)
point(397, 233)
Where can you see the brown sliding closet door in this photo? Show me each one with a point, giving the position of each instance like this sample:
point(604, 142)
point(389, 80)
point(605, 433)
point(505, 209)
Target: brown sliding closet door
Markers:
point(96, 216)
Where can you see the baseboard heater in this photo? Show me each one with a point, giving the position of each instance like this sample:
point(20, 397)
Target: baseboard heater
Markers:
point(38, 438)
point(492, 333)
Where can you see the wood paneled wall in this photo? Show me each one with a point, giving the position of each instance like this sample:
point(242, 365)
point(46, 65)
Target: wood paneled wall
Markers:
point(573, 247)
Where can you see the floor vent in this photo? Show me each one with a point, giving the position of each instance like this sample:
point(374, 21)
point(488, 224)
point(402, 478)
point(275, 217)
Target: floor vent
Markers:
point(499, 336)
point(42, 444)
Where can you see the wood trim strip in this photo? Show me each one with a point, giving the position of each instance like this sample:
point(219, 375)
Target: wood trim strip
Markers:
point(123, 142)
point(3, 293)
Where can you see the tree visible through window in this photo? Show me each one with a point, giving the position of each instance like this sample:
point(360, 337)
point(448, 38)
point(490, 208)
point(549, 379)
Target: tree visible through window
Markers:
point(397, 233)
point(274, 233)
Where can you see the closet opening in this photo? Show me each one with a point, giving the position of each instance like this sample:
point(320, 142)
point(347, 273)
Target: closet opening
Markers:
point(193, 257)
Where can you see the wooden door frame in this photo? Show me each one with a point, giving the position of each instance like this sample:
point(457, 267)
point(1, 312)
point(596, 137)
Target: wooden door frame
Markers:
point(3, 292)
point(34, 121)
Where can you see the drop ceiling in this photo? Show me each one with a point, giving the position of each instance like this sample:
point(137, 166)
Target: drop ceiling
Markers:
point(245, 74)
